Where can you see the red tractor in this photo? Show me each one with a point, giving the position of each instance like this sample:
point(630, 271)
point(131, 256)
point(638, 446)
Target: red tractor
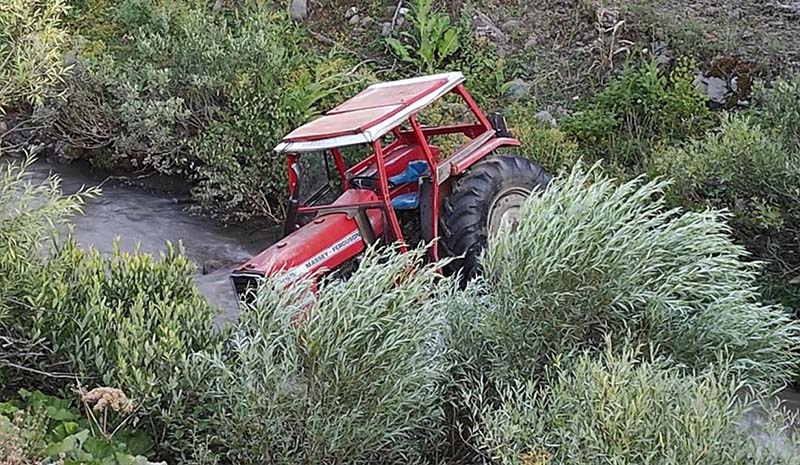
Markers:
point(402, 187)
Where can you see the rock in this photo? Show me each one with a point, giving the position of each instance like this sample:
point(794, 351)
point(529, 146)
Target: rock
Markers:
point(736, 13)
point(545, 117)
point(716, 89)
point(386, 29)
point(510, 26)
point(366, 22)
point(485, 27)
point(210, 266)
point(531, 43)
point(663, 55)
point(518, 89)
point(354, 20)
point(299, 10)
point(351, 12)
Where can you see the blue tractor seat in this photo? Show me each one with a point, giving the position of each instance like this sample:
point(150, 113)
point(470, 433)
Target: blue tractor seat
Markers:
point(414, 171)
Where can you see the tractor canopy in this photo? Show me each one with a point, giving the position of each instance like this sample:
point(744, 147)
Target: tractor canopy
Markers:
point(369, 115)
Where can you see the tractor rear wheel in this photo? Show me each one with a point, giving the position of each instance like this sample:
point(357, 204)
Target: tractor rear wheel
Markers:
point(488, 196)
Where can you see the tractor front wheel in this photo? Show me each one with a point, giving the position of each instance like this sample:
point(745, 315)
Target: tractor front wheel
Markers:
point(488, 196)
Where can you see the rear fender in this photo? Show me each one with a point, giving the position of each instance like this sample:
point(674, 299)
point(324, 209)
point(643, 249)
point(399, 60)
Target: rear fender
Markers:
point(465, 163)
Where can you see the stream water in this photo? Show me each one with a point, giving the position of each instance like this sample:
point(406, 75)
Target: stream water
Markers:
point(149, 219)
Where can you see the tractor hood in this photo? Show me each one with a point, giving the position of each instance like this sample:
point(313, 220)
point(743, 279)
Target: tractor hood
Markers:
point(326, 242)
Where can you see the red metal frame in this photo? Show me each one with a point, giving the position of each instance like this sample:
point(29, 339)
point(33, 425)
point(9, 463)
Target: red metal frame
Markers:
point(333, 231)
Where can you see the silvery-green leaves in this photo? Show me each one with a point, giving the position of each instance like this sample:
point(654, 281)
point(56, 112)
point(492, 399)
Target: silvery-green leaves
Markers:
point(592, 258)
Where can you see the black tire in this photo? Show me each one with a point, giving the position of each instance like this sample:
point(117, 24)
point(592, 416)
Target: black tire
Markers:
point(495, 186)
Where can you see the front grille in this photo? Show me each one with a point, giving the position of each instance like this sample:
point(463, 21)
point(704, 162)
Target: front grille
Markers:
point(245, 285)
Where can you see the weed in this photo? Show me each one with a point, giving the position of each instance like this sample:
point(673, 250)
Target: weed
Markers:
point(37, 428)
point(432, 41)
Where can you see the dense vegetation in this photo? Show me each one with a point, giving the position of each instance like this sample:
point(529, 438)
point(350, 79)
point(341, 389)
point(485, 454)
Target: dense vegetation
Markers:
point(639, 314)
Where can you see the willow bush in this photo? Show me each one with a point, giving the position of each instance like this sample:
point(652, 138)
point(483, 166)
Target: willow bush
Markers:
point(68, 315)
point(352, 375)
point(625, 407)
point(752, 170)
point(591, 258)
point(33, 40)
point(125, 319)
point(743, 168)
point(778, 108)
point(30, 216)
point(179, 89)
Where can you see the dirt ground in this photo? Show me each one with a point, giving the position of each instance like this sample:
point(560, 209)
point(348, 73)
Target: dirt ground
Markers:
point(566, 48)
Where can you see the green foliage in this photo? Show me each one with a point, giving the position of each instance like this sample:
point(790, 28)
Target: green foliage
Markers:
point(126, 320)
point(550, 147)
point(37, 428)
point(432, 40)
point(639, 108)
point(353, 374)
point(779, 109)
point(30, 215)
point(742, 168)
point(745, 168)
point(590, 258)
point(623, 408)
point(435, 43)
point(32, 44)
point(186, 91)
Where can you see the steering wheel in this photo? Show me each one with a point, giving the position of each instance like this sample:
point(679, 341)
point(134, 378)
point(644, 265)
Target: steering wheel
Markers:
point(363, 182)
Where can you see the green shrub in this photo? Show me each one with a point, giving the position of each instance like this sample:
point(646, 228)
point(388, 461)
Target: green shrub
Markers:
point(590, 258)
point(550, 147)
point(30, 215)
point(37, 428)
point(126, 320)
point(745, 169)
point(621, 409)
point(779, 108)
point(639, 108)
point(32, 45)
point(183, 90)
point(352, 375)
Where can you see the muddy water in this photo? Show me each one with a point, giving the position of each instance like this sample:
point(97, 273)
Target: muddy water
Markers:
point(149, 219)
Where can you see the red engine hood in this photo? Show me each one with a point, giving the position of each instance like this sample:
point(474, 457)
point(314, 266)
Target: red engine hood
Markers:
point(323, 244)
